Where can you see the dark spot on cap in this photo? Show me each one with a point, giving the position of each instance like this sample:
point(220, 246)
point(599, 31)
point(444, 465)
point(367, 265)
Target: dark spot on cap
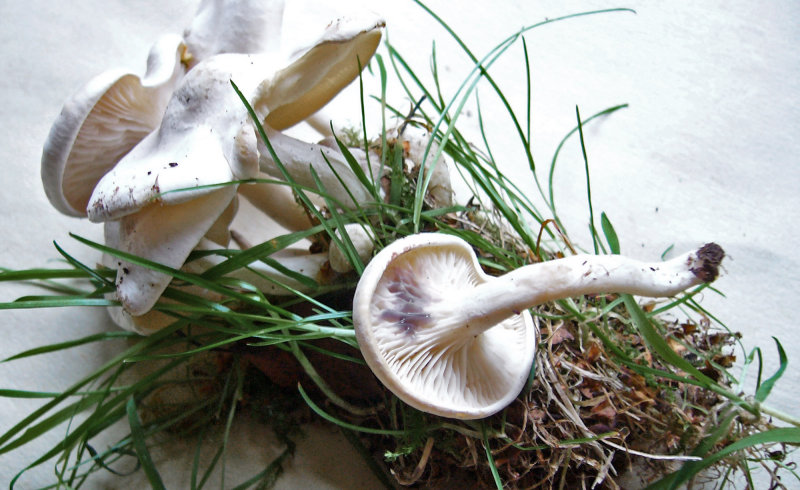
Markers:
point(173, 164)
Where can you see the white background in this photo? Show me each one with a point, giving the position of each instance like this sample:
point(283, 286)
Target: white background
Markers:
point(707, 150)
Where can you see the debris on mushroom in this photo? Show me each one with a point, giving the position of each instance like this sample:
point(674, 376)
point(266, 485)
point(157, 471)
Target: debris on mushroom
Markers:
point(450, 340)
point(102, 122)
point(363, 244)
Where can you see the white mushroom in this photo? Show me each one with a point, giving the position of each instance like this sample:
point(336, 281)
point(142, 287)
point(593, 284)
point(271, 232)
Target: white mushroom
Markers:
point(103, 121)
point(278, 202)
point(450, 340)
point(416, 150)
point(334, 172)
point(173, 186)
point(258, 275)
point(234, 26)
point(363, 244)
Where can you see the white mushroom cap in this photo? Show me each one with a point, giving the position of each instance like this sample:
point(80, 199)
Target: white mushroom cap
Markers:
point(234, 26)
point(407, 335)
point(320, 72)
point(205, 138)
point(103, 121)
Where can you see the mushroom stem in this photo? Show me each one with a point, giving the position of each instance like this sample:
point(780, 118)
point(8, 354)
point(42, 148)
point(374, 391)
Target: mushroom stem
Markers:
point(278, 202)
point(331, 167)
point(500, 298)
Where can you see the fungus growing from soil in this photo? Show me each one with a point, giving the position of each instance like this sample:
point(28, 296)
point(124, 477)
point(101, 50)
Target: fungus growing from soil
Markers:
point(450, 340)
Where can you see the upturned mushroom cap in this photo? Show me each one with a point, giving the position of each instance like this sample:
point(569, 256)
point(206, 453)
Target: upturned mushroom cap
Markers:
point(407, 335)
point(103, 121)
point(205, 138)
point(311, 80)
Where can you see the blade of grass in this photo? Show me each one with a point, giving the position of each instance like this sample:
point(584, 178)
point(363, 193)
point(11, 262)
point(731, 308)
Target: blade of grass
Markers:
point(610, 233)
point(72, 343)
point(764, 390)
point(783, 435)
point(140, 445)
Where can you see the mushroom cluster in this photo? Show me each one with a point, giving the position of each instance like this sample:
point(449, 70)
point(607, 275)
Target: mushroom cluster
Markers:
point(450, 340)
point(159, 158)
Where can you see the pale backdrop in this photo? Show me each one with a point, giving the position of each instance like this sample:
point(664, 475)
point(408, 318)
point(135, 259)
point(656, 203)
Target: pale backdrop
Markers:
point(706, 151)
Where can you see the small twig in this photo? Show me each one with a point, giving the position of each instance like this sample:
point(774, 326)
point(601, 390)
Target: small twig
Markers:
point(664, 457)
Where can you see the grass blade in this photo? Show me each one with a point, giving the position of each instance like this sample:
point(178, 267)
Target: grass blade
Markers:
point(610, 233)
point(766, 387)
point(140, 445)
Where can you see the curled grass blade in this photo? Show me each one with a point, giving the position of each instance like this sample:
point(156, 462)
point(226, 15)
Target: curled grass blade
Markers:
point(765, 388)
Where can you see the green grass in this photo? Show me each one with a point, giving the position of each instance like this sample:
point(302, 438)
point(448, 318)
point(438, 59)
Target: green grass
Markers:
point(208, 351)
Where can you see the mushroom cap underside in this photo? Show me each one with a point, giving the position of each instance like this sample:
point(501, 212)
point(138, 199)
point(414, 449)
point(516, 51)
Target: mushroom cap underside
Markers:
point(312, 80)
point(102, 122)
point(411, 335)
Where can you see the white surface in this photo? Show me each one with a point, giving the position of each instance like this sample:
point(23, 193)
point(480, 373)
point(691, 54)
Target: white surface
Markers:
point(706, 151)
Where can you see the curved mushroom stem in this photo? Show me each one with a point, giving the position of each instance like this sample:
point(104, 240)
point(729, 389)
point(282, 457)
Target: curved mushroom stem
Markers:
point(332, 169)
point(489, 303)
point(278, 202)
